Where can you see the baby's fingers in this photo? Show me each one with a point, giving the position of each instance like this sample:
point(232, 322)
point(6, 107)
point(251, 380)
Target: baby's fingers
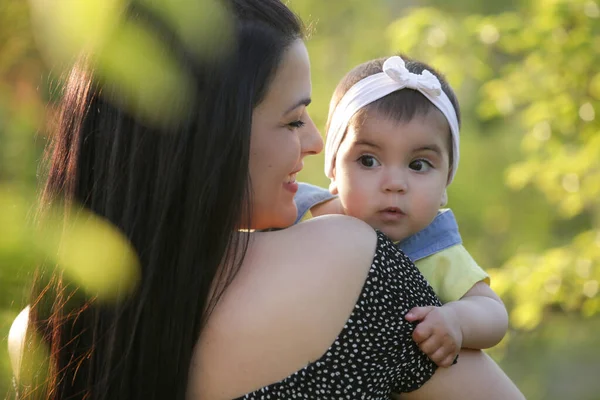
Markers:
point(442, 356)
point(430, 346)
point(448, 361)
point(418, 313)
point(422, 332)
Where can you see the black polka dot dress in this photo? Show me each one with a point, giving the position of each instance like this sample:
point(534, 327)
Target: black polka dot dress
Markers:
point(374, 355)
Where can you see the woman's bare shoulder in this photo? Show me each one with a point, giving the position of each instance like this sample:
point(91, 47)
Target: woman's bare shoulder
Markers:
point(289, 302)
point(325, 259)
point(313, 250)
point(335, 232)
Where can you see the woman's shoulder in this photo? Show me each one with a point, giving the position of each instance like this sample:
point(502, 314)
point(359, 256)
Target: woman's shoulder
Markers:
point(331, 232)
point(288, 303)
point(320, 247)
point(342, 225)
point(326, 261)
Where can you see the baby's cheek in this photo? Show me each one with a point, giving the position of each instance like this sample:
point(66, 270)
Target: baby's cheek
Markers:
point(358, 207)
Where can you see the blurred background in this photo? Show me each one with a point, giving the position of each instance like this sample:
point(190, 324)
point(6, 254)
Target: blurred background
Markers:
point(528, 186)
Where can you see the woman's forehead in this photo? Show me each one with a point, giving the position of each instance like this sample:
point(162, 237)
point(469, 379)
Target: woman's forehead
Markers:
point(291, 84)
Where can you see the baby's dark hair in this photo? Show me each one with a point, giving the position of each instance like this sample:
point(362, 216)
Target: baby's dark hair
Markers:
point(401, 105)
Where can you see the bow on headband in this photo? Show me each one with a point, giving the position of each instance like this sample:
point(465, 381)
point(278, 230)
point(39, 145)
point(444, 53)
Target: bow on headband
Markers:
point(395, 68)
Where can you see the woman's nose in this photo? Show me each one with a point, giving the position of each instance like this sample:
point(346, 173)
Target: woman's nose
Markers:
point(310, 139)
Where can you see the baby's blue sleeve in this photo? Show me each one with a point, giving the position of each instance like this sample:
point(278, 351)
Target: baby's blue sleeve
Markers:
point(441, 234)
point(309, 196)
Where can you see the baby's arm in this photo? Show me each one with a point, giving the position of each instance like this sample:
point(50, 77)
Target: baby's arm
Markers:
point(313, 201)
point(477, 321)
point(333, 206)
point(482, 317)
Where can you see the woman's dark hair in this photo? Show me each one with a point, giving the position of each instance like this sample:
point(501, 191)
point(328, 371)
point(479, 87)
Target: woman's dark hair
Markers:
point(179, 194)
point(399, 106)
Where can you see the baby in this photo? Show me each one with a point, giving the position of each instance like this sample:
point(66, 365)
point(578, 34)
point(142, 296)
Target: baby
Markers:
point(392, 149)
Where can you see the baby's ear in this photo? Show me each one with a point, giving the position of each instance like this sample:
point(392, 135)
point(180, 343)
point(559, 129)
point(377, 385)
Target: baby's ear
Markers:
point(444, 200)
point(333, 187)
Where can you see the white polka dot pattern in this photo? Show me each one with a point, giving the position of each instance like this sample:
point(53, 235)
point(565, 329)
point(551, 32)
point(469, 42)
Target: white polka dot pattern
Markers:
point(375, 354)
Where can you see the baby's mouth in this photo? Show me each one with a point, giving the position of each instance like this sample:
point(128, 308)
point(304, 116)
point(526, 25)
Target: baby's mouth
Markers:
point(393, 210)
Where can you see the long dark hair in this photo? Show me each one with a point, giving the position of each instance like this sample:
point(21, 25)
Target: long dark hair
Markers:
point(178, 193)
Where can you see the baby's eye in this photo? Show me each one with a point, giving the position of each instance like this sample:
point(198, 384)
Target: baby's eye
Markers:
point(368, 161)
point(420, 165)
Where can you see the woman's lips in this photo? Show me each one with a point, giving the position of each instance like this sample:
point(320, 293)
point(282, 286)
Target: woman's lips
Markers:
point(291, 186)
point(290, 183)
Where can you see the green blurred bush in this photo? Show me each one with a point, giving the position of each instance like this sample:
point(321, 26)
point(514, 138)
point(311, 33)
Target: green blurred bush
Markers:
point(527, 186)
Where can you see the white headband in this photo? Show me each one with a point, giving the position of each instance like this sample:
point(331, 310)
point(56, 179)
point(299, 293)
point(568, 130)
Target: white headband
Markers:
point(394, 77)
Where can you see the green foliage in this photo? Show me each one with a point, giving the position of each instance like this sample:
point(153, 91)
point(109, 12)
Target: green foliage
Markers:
point(529, 177)
point(536, 70)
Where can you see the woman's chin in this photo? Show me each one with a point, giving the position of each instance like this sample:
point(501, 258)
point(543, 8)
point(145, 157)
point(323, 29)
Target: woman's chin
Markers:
point(284, 222)
point(284, 218)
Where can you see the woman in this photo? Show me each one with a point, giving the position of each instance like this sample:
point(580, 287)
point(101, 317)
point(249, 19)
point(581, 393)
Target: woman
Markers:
point(222, 311)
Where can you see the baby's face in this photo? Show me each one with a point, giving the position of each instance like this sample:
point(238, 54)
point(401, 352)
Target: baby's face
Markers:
point(393, 175)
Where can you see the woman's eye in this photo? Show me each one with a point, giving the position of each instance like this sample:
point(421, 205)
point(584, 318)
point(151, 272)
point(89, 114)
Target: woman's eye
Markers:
point(368, 161)
point(420, 165)
point(296, 124)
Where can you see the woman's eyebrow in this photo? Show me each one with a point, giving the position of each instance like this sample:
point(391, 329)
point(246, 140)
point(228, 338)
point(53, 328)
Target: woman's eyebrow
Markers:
point(304, 102)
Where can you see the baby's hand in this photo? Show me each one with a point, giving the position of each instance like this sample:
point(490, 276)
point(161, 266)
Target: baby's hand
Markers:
point(438, 334)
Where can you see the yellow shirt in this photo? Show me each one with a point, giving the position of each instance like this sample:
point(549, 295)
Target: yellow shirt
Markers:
point(451, 272)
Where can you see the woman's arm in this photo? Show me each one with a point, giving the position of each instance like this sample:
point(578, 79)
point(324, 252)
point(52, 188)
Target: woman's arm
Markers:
point(476, 376)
